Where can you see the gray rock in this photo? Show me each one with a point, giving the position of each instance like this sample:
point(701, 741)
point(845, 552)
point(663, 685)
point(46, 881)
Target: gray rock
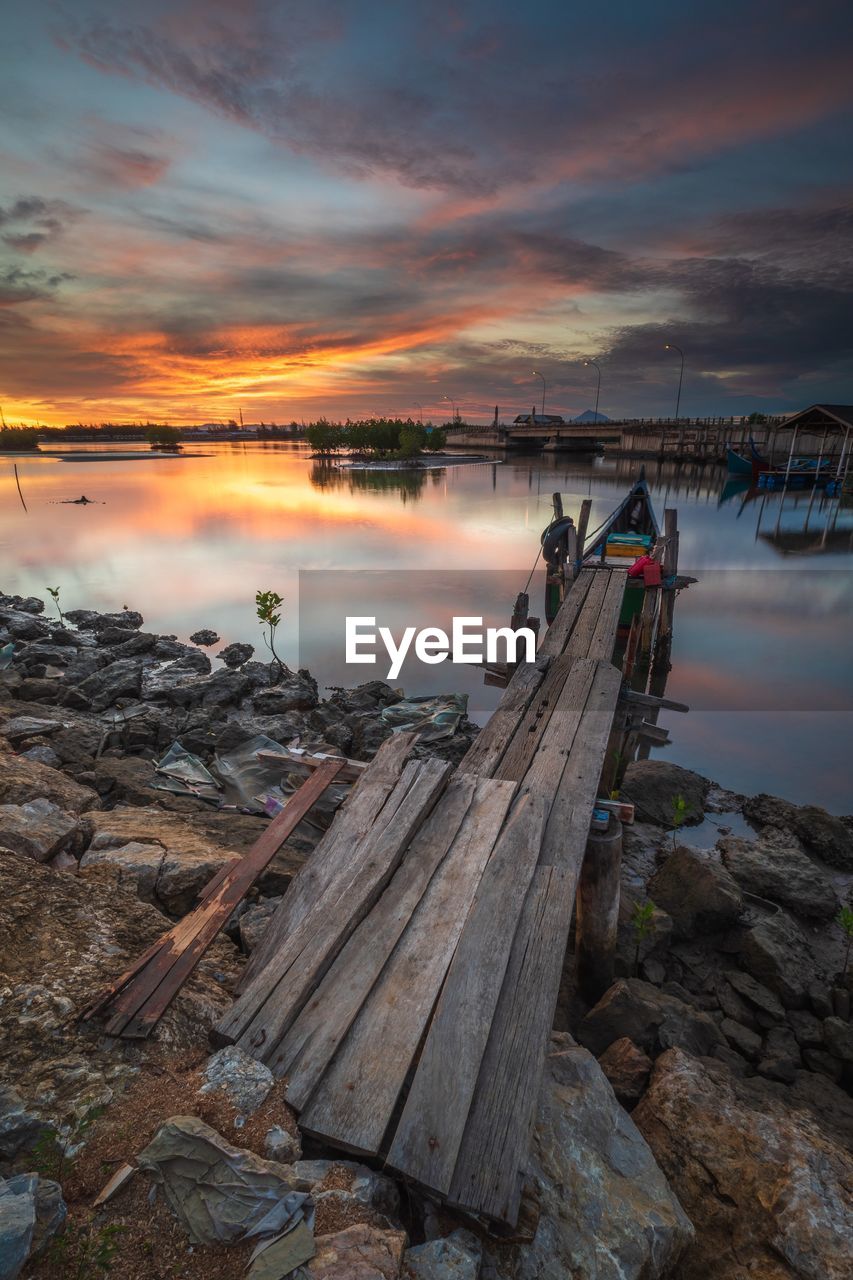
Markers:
point(122, 679)
point(822, 834)
point(41, 753)
point(820, 1000)
point(628, 1070)
point(90, 620)
point(653, 786)
point(282, 1146)
point(205, 637)
point(764, 1186)
point(254, 923)
point(825, 1063)
point(649, 1017)
point(245, 1081)
point(291, 693)
point(23, 780)
point(734, 1006)
point(808, 1029)
point(138, 865)
point(21, 727)
point(777, 953)
point(17, 1222)
point(455, 1257)
point(696, 890)
point(838, 1038)
point(19, 1129)
point(50, 1215)
point(746, 1042)
point(784, 875)
point(234, 655)
point(38, 829)
point(755, 993)
point(22, 604)
point(605, 1209)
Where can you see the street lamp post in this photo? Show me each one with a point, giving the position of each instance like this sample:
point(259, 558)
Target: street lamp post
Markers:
point(671, 346)
point(595, 365)
point(536, 374)
point(420, 410)
point(453, 403)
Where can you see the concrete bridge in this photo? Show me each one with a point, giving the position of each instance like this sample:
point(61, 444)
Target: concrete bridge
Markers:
point(694, 439)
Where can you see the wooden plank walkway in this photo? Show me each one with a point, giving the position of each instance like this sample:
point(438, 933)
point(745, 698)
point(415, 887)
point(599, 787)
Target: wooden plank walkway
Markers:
point(406, 988)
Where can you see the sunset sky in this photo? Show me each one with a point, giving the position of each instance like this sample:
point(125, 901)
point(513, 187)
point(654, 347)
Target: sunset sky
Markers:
point(351, 206)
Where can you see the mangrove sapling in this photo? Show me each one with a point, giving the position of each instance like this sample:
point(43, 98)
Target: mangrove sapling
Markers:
point(55, 1150)
point(845, 920)
point(680, 811)
point(85, 1251)
point(53, 592)
point(267, 604)
point(641, 920)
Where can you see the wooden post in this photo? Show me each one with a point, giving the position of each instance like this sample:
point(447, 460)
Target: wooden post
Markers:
point(583, 525)
point(597, 911)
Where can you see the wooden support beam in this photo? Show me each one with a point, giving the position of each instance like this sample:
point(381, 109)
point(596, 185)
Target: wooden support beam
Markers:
point(597, 911)
point(136, 1001)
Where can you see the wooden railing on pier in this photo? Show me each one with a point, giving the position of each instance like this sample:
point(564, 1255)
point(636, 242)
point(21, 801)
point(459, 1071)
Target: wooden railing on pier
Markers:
point(407, 985)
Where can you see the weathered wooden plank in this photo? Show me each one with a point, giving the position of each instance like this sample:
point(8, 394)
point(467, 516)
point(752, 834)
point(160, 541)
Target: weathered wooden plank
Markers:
point(297, 757)
point(355, 816)
point(604, 636)
point(266, 1008)
point(488, 747)
point(545, 769)
point(491, 1164)
point(307, 1048)
point(556, 637)
point(354, 1101)
point(139, 997)
point(568, 825)
point(578, 644)
point(528, 732)
point(429, 1133)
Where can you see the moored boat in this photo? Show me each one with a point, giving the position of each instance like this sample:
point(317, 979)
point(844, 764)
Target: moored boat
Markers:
point(629, 533)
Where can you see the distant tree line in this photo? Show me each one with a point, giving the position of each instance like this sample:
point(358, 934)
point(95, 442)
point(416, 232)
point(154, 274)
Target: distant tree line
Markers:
point(391, 438)
point(15, 439)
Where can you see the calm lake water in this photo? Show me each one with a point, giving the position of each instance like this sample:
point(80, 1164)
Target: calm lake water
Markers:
point(761, 644)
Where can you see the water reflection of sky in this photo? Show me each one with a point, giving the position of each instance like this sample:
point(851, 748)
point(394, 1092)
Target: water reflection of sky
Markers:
point(761, 642)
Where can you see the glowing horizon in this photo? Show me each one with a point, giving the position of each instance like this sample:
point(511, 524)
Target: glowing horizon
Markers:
point(320, 209)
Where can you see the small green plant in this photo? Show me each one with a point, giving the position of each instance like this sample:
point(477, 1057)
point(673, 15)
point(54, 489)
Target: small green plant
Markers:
point(53, 592)
point(680, 812)
point(55, 1150)
point(268, 604)
point(85, 1252)
point(845, 920)
point(641, 920)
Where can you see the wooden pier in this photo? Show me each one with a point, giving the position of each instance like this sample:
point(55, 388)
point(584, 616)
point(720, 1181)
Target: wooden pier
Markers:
point(406, 987)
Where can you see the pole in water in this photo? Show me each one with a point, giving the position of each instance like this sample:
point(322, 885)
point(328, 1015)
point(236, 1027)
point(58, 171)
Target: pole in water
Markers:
point(18, 483)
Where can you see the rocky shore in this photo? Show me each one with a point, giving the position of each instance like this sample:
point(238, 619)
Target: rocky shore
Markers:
point(697, 1122)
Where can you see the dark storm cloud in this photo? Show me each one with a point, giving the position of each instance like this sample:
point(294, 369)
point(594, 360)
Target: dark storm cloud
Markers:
point(17, 286)
point(473, 96)
point(34, 222)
